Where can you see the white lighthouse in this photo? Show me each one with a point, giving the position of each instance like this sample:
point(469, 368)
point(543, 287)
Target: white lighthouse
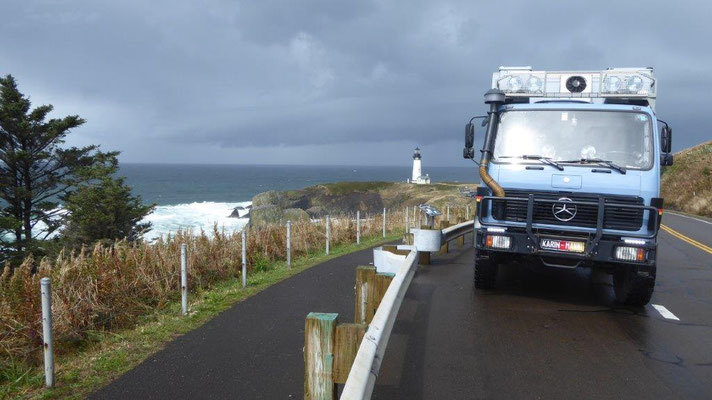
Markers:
point(417, 176)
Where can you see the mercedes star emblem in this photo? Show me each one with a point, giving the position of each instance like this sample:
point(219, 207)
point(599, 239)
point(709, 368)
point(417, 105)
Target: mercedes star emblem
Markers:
point(562, 211)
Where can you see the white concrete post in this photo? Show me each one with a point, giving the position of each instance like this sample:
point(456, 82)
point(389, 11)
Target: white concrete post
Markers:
point(289, 244)
point(384, 222)
point(358, 227)
point(406, 220)
point(184, 278)
point(467, 212)
point(448, 213)
point(46, 293)
point(244, 257)
point(328, 234)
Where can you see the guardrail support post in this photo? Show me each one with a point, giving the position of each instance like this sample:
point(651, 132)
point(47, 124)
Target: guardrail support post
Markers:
point(319, 338)
point(365, 284)
point(46, 294)
point(328, 234)
point(347, 341)
point(461, 240)
point(384, 222)
point(289, 244)
point(383, 279)
point(358, 227)
point(244, 257)
point(184, 278)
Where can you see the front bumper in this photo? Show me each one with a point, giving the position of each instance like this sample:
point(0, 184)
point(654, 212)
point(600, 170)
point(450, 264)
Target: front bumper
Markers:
point(599, 245)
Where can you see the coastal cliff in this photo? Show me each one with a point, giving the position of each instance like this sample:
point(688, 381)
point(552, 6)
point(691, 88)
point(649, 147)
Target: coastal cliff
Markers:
point(348, 197)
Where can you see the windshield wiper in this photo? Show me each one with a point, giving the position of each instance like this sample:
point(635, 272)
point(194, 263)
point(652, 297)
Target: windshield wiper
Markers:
point(545, 160)
point(607, 163)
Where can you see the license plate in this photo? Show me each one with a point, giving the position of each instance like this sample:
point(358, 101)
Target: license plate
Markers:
point(567, 246)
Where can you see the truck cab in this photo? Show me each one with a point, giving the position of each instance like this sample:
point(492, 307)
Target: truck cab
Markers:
point(570, 169)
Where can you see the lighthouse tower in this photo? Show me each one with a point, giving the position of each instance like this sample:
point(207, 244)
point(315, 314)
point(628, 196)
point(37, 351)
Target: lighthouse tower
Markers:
point(417, 176)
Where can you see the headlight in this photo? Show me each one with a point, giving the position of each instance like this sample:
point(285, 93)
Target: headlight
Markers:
point(515, 84)
point(625, 253)
point(533, 84)
point(613, 83)
point(635, 83)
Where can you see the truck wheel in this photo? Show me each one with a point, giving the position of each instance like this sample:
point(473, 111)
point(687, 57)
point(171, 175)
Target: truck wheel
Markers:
point(485, 274)
point(632, 289)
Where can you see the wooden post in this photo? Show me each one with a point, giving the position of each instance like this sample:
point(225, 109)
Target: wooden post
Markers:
point(319, 338)
point(383, 280)
point(444, 248)
point(461, 240)
point(347, 341)
point(365, 281)
point(408, 238)
point(424, 257)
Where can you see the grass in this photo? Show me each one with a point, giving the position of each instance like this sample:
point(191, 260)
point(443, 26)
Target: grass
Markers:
point(687, 184)
point(107, 355)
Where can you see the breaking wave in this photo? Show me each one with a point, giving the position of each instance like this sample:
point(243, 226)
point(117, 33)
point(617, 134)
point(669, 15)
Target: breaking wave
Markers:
point(196, 216)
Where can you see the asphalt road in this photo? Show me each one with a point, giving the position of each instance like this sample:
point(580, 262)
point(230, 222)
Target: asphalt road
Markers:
point(555, 335)
point(539, 336)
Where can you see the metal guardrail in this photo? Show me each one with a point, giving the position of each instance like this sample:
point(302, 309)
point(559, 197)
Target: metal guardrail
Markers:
point(351, 353)
point(367, 363)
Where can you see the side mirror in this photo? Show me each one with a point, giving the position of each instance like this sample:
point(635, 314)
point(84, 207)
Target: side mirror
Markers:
point(468, 151)
point(666, 159)
point(666, 139)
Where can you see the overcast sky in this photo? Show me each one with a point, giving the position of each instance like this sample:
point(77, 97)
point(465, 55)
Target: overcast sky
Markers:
point(328, 82)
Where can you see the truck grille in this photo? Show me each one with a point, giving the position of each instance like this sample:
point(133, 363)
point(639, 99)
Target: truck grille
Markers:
point(619, 218)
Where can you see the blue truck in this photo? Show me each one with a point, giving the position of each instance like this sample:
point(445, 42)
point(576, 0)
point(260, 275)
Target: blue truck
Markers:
point(570, 169)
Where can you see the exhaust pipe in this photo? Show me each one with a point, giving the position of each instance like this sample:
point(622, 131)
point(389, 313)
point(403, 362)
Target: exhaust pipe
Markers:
point(494, 98)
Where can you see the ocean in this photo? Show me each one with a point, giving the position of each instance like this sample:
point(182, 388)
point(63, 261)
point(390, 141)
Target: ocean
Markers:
point(198, 196)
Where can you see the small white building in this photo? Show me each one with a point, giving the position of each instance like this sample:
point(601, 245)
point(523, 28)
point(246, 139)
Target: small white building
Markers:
point(417, 176)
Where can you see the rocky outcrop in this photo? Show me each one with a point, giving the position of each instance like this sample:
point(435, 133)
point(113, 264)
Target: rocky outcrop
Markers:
point(345, 198)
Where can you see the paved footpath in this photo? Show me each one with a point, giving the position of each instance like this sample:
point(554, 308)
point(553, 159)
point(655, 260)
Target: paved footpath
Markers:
point(252, 350)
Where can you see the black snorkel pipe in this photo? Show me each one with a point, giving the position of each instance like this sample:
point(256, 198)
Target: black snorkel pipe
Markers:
point(495, 98)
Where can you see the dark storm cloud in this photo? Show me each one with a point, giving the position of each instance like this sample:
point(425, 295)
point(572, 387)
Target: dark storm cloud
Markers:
point(284, 73)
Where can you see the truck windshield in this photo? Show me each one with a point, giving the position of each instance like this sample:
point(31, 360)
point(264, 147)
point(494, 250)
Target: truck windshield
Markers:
point(624, 138)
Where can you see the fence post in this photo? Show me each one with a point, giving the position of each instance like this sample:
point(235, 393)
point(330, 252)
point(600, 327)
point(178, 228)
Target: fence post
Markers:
point(467, 212)
point(448, 213)
point(244, 257)
point(319, 338)
point(46, 293)
point(406, 221)
point(184, 278)
point(358, 227)
point(289, 244)
point(384, 222)
point(328, 234)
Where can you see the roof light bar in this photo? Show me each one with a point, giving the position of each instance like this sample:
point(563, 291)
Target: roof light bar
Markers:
point(623, 83)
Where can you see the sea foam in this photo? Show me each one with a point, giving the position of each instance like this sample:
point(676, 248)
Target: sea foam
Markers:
point(195, 216)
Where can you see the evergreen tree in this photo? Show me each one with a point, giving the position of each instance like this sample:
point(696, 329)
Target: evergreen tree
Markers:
point(36, 171)
point(104, 210)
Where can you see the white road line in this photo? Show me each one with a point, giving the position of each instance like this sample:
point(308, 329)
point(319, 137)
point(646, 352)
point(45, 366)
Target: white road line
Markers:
point(665, 312)
point(688, 217)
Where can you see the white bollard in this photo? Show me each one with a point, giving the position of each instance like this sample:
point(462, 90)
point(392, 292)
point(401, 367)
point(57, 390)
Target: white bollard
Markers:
point(358, 227)
point(448, 213)
point(184, 278)
point(46, 293)
point(289, 244)
point(244, 257)
point(328, 234)
point(406, 220)
point(384, 222)
point(467, 212)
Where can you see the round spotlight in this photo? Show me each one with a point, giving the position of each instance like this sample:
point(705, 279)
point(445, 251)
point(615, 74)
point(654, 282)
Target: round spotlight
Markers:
point(635, 83)
point(515, 84)
point(533, 84)
point(576, 84)
point(613, 83)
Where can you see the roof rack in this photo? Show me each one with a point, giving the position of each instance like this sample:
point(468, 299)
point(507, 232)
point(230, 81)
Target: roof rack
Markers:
point(636, 86)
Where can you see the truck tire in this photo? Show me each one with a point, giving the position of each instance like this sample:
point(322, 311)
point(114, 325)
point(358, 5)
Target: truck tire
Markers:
point(632, 289)
point(485, 274)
